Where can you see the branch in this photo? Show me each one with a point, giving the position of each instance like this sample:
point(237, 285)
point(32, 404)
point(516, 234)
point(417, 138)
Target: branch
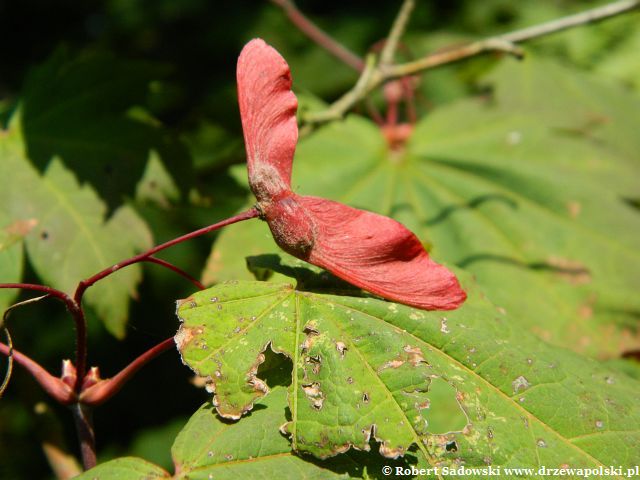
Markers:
point(84, 284)
point(344, 103)
point(564, 23)
point(76, 313)
point(501, 43)
point(453, 55)
point(83, 418)
point(397, 29)
point(312, 31)
point(105, 389)
point(52, 292)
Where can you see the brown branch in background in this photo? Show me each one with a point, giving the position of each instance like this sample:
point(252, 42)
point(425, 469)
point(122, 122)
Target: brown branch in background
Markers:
point(502, 43)
point(366, 82)
point(452, 55)
point(564, 23)
point(312, 31)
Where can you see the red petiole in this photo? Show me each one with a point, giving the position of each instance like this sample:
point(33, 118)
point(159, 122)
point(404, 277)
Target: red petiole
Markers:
point(77, 387)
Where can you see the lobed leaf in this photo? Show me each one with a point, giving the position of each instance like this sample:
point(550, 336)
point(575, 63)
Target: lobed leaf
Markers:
point(208, 447)
point(71, 239)
point(79, 108)
point(463, 386)
point(576, 103)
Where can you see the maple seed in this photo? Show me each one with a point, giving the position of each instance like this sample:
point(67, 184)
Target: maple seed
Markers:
point(371, 251)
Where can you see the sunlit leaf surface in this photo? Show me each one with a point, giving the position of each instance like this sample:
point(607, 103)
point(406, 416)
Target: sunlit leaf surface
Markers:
point(467, 385)
point(535, 209)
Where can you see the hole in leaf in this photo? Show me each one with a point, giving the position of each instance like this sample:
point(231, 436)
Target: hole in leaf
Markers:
point(444, 413)
point(276, 369)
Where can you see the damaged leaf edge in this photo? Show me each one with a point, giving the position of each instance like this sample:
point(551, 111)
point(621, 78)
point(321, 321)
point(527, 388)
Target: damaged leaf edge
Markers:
point(260, 387)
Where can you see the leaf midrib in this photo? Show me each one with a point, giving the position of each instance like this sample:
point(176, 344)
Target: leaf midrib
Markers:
point(462, 366)
point(373, 373)
point(235, 337)
point(88, 233)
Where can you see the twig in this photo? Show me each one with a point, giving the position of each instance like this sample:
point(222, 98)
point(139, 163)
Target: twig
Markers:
point(571, 21)
point(84, 284)
point(501, 43)
point(175, 269)
point(453, 55)
point(76, 313)
point(81, 357)
point(397, 30)
point(105, 389)
point(39, 288)
point(7, 375)
point(51, 384)
point(361, 88)
point(312, 31)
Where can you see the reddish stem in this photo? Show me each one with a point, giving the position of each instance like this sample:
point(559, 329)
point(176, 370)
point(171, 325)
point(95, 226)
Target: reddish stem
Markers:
point(392, 113)
point(84, 284)
point(55, 387)
point(105, 389)
point(40, 288)
point(410, 99)
point(175, 269)
point(312, 31)
point(83, 418)
point(81, 357)
point(78, 317)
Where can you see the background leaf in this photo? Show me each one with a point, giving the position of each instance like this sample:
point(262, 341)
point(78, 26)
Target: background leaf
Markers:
point(599, 112)
point(76, 108)
point(502, 194)
point(70, 221)
point(11, 254)
point(363, 366)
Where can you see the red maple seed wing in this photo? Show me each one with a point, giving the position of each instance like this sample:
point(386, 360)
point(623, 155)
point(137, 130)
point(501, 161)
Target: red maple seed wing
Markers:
point(268, 113)
point(380, 255)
